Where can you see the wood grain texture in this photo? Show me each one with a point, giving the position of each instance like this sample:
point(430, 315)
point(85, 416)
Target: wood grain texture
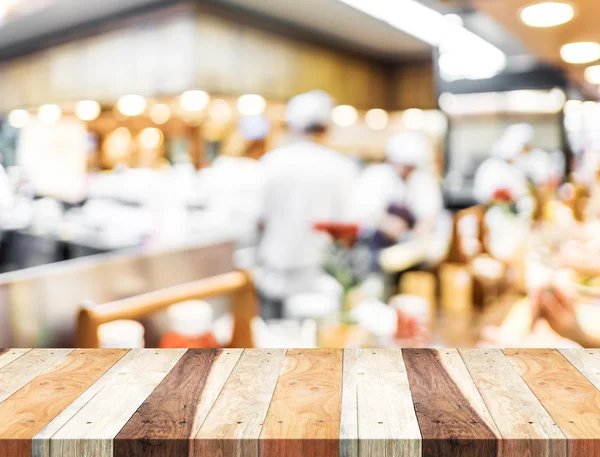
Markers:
point(27, 411)
point(233, 425)
point(304, 416)
point(453, 418)
point(172, 415)
point(387, 424)
point(349, 419)
point(10, 355)
point(587, 361)
point(526, 427)
point(571, 400)
point(91, 430)
point(23, 370)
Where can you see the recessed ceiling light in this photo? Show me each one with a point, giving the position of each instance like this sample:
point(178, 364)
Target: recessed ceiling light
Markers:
point(583, 52)
point(547, 14)
point(592, 74)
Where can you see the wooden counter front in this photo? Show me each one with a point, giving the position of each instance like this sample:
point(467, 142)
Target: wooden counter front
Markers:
point(299, 402)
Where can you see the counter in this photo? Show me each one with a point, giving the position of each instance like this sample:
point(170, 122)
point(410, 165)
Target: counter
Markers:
point(319, 402)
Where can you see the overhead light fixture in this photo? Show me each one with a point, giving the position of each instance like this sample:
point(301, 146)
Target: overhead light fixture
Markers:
point(160, 113)
point(344, 115)
point(131, 105)
point(220, 111)
point(18, 118)
point(592, 74)
point(414, 118)
point(377, 119)
point(194, 100)
point(87, 110)
point(150, 138)
point(547, 14)
point(251, 105)
point(472, 57)
point(49, 114)
point(583, 52)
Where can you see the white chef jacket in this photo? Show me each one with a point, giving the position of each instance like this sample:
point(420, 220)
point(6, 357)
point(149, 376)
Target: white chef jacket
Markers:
point(305, 183)
point(494, 174)
point(423, 195)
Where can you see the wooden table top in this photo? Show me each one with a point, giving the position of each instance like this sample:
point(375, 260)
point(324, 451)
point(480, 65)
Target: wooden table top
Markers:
point(299, 402)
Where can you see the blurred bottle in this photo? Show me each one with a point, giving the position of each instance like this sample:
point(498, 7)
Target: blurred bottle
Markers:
point(191, 325)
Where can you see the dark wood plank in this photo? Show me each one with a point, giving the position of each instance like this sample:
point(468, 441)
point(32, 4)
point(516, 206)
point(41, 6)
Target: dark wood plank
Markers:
point(452, 416)
point(172, 415)
point(31, 408)
point(568, 396)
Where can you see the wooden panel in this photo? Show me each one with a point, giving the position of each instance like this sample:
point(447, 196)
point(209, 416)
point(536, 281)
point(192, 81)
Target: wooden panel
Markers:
point(349, 424)
point(526, 427)
point(304, 416)
point(453, 418)
point(26, 368)
point(90, 432)
point(30, 409)
point(10, 355)
point(233, 426)
point(571, 400)
point(387, 424)
point(164, 424)
point(587, 361)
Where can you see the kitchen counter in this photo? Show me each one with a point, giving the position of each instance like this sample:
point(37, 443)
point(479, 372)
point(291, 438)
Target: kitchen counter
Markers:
point(299, 402)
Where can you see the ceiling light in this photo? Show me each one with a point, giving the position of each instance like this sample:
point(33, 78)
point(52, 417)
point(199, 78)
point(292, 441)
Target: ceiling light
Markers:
point(160, 113)
point(583, 52)
point(131, 105)
point(150, 138)
point(251, 105)
point(547, 14)
point(592, 74)
point(49, 114)
point(344, 115)
point(194, 100)
point(377, 119)
point(414, 118)
point(18, 118)
point(220, 111)
point(87, 110)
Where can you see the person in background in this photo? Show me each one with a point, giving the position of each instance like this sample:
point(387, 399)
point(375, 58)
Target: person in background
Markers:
point(306, 183)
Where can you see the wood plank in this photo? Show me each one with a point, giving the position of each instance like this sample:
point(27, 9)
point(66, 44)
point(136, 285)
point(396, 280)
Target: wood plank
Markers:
point(387, 424)
point(571, 400)
point(31, 408)
point(91, 430)
point(349, 419)
point(26, 368)
point(10, 355)
point(233, 425)
point(305, 412)
point(172, 415)
point(453, 418)
point(526, 427)
point(587, 361)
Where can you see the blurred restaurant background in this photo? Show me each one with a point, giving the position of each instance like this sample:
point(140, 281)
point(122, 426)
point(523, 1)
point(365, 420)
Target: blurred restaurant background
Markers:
point(173, 173)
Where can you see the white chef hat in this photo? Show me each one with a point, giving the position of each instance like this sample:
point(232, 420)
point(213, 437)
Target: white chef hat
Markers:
point(512, 142)
point(411, 148)
point(309, 109)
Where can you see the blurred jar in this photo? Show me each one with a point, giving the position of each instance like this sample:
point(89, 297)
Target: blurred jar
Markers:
point(191, 326)
point(414, 321)
point(121, 334)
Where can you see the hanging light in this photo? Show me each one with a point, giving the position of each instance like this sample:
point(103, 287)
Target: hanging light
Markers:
point(251, 105)
point(87, 110)
point(547, 14)
point(49, 114)
point(377, 119)
point(582, 52)
point(344, 115)
point(131, 105)
point(414, 118)
point(18, 118)
point(160, 113)
point(194, 100)
point(150, 138)
point(220, 111)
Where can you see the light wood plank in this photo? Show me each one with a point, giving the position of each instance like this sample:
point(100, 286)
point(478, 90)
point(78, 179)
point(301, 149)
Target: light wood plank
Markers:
point(349, 420)
point(10, 355)
point(233, 425)
point(28, 410)
point(453, 418)
point(305, 412)
point(570, 399)
point(387, 424)
point(526, 427)
point(26, 368)
point(171, 416)
point(587, 361)
point(90, 432)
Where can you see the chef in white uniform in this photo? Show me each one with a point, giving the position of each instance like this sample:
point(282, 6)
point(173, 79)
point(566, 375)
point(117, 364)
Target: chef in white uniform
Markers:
point(305, 183)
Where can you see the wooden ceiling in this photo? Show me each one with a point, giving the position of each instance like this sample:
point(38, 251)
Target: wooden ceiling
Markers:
point(545, 43)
